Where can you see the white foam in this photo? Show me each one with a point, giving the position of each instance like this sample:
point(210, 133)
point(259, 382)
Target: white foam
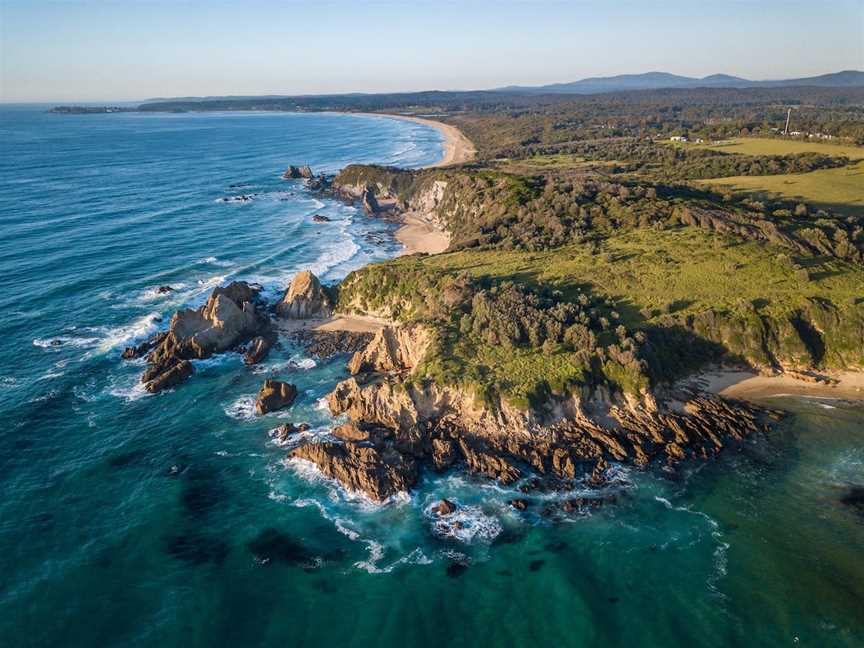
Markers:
point(242, 409)
point(65, 341)
point(139, 328)
point(467, 524)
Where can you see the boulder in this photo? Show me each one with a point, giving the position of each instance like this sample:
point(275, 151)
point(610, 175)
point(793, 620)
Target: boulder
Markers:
point(274, 395)
point(305, 298)
point(376, 471)
point(444, 507)
point(518, 504)
point(320, 218)
point(257, 350)
point(164, 289)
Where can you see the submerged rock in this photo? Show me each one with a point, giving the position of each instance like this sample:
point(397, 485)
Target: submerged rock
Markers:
point(305, 298)
point(274, 395)
point(320, 218)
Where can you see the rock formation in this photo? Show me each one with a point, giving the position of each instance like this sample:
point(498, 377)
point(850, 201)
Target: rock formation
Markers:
point(392, 349)
point(274, 395)
point(227, 319)
point(370, 202)
point(407, 422)
point(378, 471)
point(295, 173)
point(305, 298)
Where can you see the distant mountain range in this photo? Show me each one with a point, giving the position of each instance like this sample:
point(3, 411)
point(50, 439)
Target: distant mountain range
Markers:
point(663, 80)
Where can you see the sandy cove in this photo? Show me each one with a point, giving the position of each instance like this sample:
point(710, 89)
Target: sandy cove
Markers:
point(749, 385)
point(417, 234)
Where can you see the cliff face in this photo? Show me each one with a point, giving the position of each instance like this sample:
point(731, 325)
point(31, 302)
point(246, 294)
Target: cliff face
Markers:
point(419, 422)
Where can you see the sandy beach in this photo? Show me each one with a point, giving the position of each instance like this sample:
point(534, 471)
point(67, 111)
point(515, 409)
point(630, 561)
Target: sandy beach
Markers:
point(748, 385)
point(352, 323)
point(417, 234)
point(458, 149)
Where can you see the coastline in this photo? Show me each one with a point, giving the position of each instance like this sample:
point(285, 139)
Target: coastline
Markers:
point(458, 149)
point(416, 234)
point(749, 385)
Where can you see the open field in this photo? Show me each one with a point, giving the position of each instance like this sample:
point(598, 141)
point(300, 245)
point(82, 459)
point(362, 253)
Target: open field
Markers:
point(678, 270)
point(776, 146)
point(841, 188)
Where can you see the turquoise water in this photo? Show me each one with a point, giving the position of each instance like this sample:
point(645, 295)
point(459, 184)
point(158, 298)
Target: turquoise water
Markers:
point(129, 519)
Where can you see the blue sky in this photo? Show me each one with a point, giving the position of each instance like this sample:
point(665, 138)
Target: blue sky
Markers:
point(135, 49)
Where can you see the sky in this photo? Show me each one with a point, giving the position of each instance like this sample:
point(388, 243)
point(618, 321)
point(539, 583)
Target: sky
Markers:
point(129, 50)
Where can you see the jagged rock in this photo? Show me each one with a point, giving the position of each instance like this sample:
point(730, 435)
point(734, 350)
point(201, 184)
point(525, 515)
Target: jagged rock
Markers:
point(376, 471)
point(518, 504)
point(305, 298)
point(392, 349)
point(228, 318)
point(142, 349)
point(320, 218)
point(274, 395)
point(286, 430)
point(486, 463)
point(169, 376)
point(444, 453)
point(326, 344)
point(294, 172)
point(257, 350)
point(370, 202)
point(444, 507)
point(164, 289)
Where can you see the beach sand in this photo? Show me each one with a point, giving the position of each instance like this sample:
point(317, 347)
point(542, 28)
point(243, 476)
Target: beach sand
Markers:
point(353, 323)
point(748, 385)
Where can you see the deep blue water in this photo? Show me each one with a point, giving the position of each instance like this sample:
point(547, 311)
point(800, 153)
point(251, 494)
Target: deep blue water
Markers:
point(129, 519)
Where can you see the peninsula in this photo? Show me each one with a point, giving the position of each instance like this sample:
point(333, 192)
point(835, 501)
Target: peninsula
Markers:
point(571, 294)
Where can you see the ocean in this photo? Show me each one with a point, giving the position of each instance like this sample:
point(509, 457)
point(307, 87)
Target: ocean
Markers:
point(129, 519)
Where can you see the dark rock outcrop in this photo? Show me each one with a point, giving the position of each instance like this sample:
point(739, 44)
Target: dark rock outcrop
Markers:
point(258, 349)
point(326, 344)
point(142, 349)
point(444, 507)
point(305, 298)
point(298, 172)
point(320, 218)
point(286, 431)
point(370, 202)
point(227, 319)
point(274, 395)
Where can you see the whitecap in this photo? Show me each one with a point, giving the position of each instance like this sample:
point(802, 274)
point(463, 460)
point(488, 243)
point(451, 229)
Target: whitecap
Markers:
point(139, 328)
point(467, 524)
point(242, 409)
point(65, 341)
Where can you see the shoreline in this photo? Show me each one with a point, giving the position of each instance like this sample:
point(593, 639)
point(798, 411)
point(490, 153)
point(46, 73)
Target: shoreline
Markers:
point(751, 386)
point(458, 149)
point(416, 234)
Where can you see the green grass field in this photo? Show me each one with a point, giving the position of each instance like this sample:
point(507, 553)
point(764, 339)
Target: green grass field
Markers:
point(649, 275)
point(841, 188)
point(684, 269)
point(777, 146)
